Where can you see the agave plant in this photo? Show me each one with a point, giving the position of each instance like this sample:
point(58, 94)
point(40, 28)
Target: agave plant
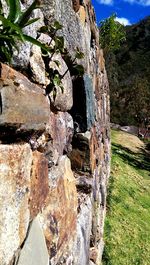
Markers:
point(11, 28)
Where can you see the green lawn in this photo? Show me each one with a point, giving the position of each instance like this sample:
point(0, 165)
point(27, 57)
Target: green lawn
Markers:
point(127, 225)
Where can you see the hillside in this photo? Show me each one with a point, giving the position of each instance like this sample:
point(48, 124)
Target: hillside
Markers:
point(127, 226)
point(129, 76)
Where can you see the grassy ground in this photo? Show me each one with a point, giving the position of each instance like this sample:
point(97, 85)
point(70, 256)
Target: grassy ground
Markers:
point(127, 226)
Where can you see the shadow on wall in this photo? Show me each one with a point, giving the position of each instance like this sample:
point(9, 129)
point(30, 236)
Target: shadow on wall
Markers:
point(78, 111)
point(83, 110)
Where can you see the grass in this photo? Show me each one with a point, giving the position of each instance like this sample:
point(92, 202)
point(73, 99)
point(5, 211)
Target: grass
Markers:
point(127, 225)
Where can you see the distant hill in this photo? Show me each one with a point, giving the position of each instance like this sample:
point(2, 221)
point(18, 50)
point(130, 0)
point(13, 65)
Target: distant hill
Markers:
point(129, 76)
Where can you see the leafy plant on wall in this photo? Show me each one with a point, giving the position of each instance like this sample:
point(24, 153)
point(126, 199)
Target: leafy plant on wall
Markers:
point(11, 32)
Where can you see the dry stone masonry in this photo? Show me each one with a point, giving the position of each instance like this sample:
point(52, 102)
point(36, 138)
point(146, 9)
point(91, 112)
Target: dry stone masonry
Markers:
point(54, 155)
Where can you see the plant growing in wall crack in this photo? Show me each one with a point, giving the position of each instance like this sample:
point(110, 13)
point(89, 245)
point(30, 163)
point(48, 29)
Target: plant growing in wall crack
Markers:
point(58, 47)
point(11, 28)
point(11, 31)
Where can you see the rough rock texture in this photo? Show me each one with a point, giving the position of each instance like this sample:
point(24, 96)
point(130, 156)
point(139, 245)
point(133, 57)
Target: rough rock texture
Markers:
point(20, 101)
point(55, 154)
point(61, 129)
point(39, 183)
point(84, 225)
point(15, 166)
point(60, 213)
point(34, 250)
point(63, 101)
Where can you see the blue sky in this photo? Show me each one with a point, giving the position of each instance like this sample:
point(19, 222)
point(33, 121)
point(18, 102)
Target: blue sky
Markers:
point(128, 11)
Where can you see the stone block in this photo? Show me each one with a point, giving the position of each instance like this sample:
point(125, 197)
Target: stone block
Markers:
point(39, 183)
point(22, 58)
point(82, 14)
point(82, 242)
point(61, 129)
point(15, 168)
point(34, 251)
point(37, 65)
point(64, 99)
point(59, 217)
point(76, 5)
point(24, 108)
point(90, 103)
point(80, 154)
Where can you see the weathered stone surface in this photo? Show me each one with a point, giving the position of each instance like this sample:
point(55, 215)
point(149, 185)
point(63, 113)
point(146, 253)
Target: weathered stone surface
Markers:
point(84, 225)
point(82, 14)
point(56, 140)
point(73, 31)
point(34, 251)
point(90, 105)
point(76, 5)
point(23, 105)
point(22, 58)
point(80, 154)
point(64, 99)
point(39, 183)
point(15, 167)
point(84, 184)
point(60, 214)
point(60, 128)
point(37, 65)
point(93, 254)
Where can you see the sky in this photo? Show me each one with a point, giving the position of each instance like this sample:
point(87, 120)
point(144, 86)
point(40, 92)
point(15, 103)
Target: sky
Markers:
point(128, 11)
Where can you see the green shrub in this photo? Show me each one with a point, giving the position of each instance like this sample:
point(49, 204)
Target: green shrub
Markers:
point(112, 34)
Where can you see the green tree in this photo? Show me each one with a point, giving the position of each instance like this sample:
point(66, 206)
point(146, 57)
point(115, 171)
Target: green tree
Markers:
point(112, 34)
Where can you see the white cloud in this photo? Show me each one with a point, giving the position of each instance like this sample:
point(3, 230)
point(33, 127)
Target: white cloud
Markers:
point(122, 20)
point(105, 2)
point(139, 2)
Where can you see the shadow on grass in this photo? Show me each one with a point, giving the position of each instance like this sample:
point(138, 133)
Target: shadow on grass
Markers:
point(141, 160)
point(147, 145)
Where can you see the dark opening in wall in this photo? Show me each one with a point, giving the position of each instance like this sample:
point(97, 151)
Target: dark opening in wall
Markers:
point(78, 110)
point(92, 39)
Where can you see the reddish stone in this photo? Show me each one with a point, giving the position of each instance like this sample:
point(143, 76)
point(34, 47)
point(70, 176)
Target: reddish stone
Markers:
point(76, 5)
point(59, 217)
point(15, 168)
point(24, 107)
point(39, 183)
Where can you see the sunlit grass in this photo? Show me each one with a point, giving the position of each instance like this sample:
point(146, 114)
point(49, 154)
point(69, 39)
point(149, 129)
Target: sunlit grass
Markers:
point(127, 226)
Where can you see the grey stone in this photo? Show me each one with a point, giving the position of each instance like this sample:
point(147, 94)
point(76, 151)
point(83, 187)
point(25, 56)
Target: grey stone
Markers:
point(22, 58)
point(64, 99)
point(15, 168)
point(37, 65)
point(90, 107)
point(84, 224)
point(60, 129)
point(84, 184)
point(34, 251)
point(74, 33)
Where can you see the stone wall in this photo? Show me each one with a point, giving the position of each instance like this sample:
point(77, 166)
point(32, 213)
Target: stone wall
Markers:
point(54, 155)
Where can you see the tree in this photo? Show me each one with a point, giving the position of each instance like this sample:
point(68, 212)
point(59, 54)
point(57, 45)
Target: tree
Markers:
point(112, 34)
